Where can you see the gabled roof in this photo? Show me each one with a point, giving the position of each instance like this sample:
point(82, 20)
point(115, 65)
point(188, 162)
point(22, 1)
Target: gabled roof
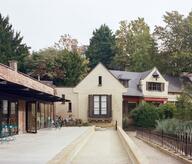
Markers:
point(100, 64)
point(134, 79)
point(175, 84)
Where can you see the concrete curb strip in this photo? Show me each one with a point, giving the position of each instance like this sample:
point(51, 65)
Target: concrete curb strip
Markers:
point(134, 153)
point(70, 151)
point(160, 148)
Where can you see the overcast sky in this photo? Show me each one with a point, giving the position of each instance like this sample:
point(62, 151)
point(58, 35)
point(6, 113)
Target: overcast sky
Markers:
point(42, 22)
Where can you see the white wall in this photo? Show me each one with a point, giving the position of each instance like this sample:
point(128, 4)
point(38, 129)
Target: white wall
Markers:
point(62, 109)
point(110, 86)
point(158, 94)
point(172, 97)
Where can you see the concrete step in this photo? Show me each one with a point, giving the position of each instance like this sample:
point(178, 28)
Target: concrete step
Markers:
point(103, 125)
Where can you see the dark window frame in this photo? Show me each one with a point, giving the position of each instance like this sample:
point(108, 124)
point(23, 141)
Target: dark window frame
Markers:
point(70, 107)
point(99, 80)
point(63, 96)
point(124, 82)
point(155, 86)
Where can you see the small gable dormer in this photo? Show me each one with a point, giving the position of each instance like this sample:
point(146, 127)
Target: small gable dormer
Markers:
point(154, 84)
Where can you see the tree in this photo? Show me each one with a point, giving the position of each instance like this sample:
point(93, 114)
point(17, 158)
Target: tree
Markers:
point(11, 46)
point(184, 104)
point(136, 48)
point(175, 45)
point(64, 68)
point(67, 42)
point(74, 66)
point(102, 47)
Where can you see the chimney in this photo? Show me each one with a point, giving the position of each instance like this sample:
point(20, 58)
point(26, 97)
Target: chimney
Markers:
point(13, 64)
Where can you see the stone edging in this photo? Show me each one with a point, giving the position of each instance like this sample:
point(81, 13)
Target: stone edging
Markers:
point(69, 152)
point(166, 151)
point(136, 156)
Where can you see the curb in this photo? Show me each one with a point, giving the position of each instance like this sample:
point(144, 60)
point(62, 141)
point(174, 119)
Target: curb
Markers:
point(69, 152)
point(136, 156)
point(166, 151)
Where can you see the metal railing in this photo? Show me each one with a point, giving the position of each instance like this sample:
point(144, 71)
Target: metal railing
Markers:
point(180, 143)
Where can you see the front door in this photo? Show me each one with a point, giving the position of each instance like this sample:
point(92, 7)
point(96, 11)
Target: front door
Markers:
point(31, 117)
point(9, 116)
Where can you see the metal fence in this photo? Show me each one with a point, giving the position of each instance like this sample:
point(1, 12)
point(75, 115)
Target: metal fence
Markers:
point(180, 143)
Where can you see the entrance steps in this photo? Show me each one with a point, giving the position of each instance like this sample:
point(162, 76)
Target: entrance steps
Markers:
point(102, 125)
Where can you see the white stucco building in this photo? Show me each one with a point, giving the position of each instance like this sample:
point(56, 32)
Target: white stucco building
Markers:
point(105, 95)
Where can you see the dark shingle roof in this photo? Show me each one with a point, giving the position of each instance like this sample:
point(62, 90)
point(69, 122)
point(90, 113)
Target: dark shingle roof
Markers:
point(134, 79)
point(175, 84)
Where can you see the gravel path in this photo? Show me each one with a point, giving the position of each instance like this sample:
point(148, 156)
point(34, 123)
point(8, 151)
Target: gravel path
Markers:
point(104, 147)
point(154, 156)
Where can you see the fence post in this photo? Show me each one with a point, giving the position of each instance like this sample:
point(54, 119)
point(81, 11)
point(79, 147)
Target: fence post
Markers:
point(162, 137)
point(186, 149)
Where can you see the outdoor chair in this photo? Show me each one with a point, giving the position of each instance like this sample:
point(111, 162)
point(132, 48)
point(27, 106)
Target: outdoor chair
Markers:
point(7, 133)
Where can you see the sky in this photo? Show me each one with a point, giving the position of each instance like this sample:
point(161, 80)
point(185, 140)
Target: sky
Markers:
point(42, 22)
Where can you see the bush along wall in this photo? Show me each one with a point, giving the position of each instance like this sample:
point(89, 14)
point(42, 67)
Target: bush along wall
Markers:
point(145, 115)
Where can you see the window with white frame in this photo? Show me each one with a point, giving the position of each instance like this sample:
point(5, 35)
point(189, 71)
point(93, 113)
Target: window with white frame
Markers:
point(100, 105)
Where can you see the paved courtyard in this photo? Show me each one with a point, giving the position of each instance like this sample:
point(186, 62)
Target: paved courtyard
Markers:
point(153, 155)
point(104, 147)
point(38, 148)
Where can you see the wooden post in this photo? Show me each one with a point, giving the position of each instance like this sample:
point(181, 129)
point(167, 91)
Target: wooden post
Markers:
point(162, 137)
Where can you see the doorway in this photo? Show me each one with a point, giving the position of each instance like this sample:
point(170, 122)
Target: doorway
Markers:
point(31, 117)
point(9, 116)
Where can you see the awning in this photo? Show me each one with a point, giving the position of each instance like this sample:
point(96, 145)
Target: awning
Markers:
point(13, 90)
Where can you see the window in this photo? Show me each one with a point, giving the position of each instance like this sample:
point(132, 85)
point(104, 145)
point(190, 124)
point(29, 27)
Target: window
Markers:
point(96, 105)
point(63, 96)
point(70, 107)
point(100, 80)
point(151, 86)
point(13, 107)
point(125, 83)
point(5, 106)
point(100, 105)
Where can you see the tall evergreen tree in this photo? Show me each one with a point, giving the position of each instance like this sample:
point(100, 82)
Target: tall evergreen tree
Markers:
point(102, 47)
point(11, 46)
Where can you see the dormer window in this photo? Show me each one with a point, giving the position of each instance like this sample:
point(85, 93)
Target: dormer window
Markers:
point(125, 82)
point(155, 75)
point(100, 81)
point(151, 86)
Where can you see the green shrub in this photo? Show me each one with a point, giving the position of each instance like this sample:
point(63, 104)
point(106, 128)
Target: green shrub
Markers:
point(125, 122)
point(145, 115)
point(86, 124)
point(167, 126)
point(166, 111)
point(174, 126)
